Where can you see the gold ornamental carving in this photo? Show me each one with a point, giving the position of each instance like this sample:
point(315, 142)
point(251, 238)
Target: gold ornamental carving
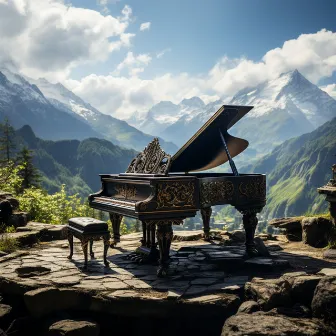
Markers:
point(216, 191)
point(253, 189)
point(125, 191)
point(152, 160)
point(175, 195)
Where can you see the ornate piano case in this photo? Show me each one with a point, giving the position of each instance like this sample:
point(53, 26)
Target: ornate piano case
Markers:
point(162, 190)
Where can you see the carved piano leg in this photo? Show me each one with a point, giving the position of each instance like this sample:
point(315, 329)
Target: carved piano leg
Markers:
point(148, 239)
point(250, 222)
point(153, 244)
point(144, 236)
point(116, 221)
point(91, 248)
point(70, 239)
point(164, 236)
point(206, 215)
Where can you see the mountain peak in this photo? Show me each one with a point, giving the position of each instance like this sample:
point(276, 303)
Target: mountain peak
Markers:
point(192, 102)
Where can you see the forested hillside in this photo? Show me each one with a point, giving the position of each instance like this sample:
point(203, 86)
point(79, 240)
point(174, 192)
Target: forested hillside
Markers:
point(296, 169)
point(77, 164)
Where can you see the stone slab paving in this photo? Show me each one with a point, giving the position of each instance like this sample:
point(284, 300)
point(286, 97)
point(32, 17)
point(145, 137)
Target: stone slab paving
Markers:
point(198, 268)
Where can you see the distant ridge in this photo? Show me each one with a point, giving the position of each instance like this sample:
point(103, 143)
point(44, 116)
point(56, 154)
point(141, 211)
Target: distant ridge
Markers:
point(56, 113)
point(74, 163)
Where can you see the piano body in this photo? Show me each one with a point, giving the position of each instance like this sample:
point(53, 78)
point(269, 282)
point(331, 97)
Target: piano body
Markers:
point(162, 190)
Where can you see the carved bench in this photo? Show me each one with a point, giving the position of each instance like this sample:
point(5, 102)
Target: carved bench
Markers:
point(87, 230)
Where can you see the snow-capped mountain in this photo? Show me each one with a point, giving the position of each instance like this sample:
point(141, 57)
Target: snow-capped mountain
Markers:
point(165, 114)
point(54, 112)
point(24, 103)
point(284, 107)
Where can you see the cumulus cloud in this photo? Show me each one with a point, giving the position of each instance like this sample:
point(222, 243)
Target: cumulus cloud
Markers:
point(330, 89)
point(133, 64)
point(145, 26)
point(104, 4)
point(49, 38)
point(312, 54)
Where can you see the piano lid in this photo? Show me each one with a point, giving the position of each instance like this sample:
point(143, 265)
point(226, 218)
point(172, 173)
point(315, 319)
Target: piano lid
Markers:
point(205, 149)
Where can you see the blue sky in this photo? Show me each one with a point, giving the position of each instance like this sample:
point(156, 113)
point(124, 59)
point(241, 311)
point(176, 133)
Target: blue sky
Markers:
point(210, 49)
point(199, 32)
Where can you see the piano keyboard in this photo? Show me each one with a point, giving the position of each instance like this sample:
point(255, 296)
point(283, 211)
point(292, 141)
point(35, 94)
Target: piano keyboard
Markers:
point(118, 202)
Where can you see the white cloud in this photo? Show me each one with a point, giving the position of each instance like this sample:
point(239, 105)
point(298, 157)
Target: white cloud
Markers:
point(145, 26)
point(49, 38)
point(134, 64)
point(330, 89)
point(104, 4)
point(311, 54)
point(162, 52)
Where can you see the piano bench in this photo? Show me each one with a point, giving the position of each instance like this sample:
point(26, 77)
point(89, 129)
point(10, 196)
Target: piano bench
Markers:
point(87, 230)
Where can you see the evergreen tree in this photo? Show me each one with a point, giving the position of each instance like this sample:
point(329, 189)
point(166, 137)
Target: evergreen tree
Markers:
point(28, 172)
point(7, 141)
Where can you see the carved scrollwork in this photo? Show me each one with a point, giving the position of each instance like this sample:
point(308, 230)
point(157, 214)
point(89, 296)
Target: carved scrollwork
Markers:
point(125, 191)
point(253, 189)
point(216, 191)
point(175, 195)
point(152, 160)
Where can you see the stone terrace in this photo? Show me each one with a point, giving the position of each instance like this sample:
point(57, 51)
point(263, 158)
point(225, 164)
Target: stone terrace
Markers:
point(206, 282)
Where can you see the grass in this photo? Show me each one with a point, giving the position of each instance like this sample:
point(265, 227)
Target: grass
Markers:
point(7, 244)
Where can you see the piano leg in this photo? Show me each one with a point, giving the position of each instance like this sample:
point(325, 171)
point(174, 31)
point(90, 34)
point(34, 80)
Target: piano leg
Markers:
point(164, 236)
point(206, 215)
point(250, 222)
point(116, 221)
point(144, 235)
point(70, 239)
point(91, 248)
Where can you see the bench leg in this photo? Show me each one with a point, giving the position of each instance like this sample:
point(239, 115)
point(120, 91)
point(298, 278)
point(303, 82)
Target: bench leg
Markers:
point(91, 251)
point(106, 239)
point(70, 239)
point(85, 251)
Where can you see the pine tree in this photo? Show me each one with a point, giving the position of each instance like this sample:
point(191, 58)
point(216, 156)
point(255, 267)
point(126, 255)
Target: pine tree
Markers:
point(29, 173)
point(7, 141)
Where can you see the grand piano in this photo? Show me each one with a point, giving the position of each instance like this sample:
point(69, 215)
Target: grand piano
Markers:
point(162, 190)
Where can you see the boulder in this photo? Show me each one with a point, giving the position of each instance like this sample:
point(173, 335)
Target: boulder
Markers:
point(290, 276)
point(238, 236)
point(18, 219)
point(298, 310)
point(43, 301)
point(248, 307)
point(324, 300)
point(46, 232)
point(261, 323)
point(269, 293)
point(74, 328)
point(303, 288)
point(261, 247)
point(316, 231)
point(329, 254)
point(291, 225)
point(5, 315)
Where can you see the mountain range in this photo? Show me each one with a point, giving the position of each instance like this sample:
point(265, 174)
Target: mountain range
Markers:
point(77, 164)
point(295, 169)
point(284, 107)
point(56, 113)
